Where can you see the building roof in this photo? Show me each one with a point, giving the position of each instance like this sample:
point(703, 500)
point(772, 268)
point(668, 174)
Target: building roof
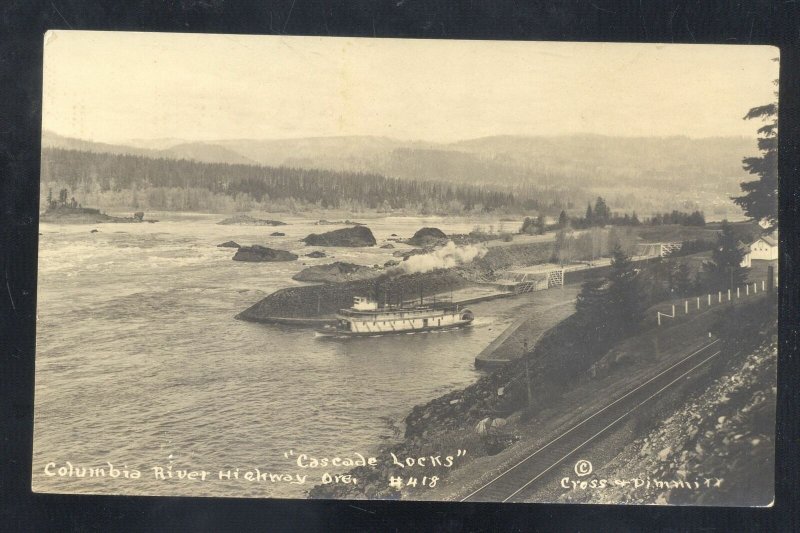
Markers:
point(770, 239)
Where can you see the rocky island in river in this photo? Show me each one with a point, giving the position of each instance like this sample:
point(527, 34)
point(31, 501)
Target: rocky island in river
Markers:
point(67, 214)
point(336, 272)
point(247, 220)
point(358, 236)
point(257, 253)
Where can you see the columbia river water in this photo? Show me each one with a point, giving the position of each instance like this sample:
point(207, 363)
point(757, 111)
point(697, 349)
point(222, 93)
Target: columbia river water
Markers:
point(140, 362)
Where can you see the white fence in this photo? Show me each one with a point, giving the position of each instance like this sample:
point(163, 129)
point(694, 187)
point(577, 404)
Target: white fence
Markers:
point(706, 301)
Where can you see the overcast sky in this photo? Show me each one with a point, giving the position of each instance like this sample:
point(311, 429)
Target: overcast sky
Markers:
point(114, 86)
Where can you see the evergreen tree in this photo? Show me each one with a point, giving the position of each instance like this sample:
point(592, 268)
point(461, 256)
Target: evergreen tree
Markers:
point(602, 214)
point(528, 226)
point(50, 197)
point(725, 269)
point(589, 215)
point(760, 201)
point(696, 219)
point(625, 294)
point(563, 219)
point(561, 248)
point(608, 309)
point(681, 280)
point(541, 226)
point(590, 313)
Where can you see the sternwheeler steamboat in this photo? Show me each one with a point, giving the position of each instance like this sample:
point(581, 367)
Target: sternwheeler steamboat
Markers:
point(367, 318)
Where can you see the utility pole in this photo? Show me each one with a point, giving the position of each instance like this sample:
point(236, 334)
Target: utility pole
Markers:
point(527, 373)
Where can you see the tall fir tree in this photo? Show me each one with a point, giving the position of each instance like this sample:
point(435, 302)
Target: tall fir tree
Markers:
point(589, 215)
point(563, 219)
point(602, 213)
point(681, 280)
point(590, 311)
point(760, 198)
point(725, 270)
point(625, 295)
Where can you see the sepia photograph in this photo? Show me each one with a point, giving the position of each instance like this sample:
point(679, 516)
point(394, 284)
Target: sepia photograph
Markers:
point(407, 269)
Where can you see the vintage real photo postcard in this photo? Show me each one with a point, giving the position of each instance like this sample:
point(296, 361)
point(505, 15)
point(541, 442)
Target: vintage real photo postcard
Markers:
point(307, 267)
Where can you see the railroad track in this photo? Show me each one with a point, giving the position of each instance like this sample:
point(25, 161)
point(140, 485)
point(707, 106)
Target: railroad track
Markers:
point(520, 478)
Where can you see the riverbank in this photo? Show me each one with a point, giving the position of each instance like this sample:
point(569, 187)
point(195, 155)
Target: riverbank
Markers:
point(723, 431)
point(556, 305)
point(505, 432)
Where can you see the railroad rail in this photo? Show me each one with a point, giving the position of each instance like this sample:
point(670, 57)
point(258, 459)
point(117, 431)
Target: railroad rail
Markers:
point(517, 480)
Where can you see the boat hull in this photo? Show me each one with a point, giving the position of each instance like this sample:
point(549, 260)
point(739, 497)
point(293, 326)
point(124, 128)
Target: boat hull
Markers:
point(344, 334)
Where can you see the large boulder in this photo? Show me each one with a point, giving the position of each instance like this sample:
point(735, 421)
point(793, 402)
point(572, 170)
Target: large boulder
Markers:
point(316, 254)
point(352, 237)
point(426, 236)
point(258, 253)
point(229, 244)
point(247, 220)
point(335, 272)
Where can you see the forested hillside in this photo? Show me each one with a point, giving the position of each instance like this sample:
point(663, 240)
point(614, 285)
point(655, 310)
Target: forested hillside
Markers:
point(107, 179)
point(645, 174)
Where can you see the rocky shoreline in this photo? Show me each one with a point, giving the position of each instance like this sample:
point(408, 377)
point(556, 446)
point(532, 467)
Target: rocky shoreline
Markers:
point(488, 416)
point(473, 418)
point(727, 433)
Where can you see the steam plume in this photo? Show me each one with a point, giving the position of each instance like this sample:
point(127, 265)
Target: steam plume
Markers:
point(448, 256)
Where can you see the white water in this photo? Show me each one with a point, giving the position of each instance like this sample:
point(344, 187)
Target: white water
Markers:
point(141, 363)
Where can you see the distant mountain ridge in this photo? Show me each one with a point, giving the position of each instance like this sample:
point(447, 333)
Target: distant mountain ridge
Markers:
point(581, 160)
point(201, 152)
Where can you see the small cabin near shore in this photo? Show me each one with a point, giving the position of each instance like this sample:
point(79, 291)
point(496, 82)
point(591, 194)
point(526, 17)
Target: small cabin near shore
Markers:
point(765, 247)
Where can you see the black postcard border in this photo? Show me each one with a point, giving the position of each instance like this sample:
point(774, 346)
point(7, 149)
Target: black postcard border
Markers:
point(22, 26)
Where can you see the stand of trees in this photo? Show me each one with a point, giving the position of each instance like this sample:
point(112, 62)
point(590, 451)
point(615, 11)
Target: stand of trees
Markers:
point(609, 309)
point(182, 184)
point(62, 201)
point(695, 218)
point(600, 215)
point(591, 244)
